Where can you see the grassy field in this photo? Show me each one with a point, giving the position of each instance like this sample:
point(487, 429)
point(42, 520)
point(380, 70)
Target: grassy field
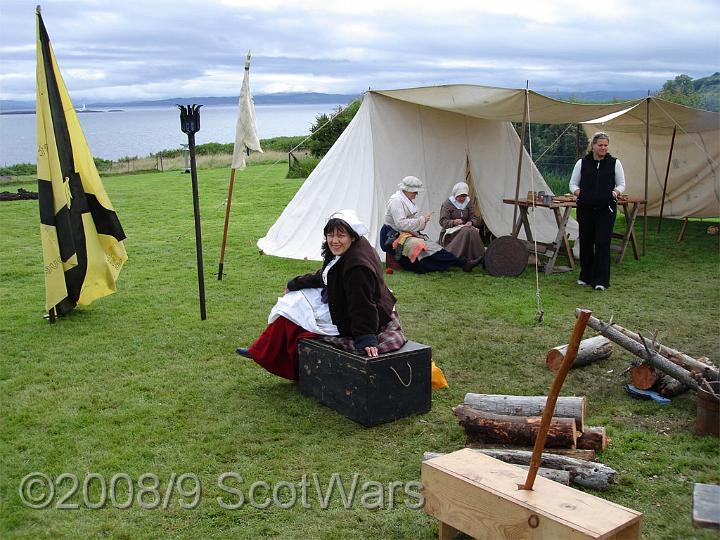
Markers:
point(136, 385)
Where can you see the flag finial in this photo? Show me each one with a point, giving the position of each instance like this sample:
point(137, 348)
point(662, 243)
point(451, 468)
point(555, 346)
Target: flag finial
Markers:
point(37, 9)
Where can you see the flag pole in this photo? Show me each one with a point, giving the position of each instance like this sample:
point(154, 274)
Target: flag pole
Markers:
point(244, 142)
point(227, 221)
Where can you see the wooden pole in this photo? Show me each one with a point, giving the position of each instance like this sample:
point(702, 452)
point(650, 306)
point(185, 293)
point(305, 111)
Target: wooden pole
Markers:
point(667, 174)
point(573, 346)
point(520, 156)
point(647, 169)
point(225, 228)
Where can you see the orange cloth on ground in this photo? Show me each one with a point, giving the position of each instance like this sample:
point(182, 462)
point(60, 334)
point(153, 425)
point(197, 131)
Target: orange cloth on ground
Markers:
point(437, 378)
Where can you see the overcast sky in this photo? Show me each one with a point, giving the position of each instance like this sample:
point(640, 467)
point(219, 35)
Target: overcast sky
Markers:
point(154, 49)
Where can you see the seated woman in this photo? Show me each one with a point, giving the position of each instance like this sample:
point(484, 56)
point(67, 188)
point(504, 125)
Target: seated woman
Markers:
point(460, 234)
point(402, 235)
point(346, 302)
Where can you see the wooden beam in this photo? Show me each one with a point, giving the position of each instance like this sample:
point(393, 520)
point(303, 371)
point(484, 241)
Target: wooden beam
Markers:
point(667, 174)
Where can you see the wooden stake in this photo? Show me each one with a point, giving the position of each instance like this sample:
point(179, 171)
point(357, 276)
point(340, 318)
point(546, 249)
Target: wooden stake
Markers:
point(573, 346)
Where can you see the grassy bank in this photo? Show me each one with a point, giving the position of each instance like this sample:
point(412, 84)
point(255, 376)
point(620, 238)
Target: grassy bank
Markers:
point(136, 384)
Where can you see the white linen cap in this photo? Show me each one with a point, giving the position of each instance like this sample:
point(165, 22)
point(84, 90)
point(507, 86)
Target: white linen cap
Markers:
point(351, 218)
point(411, 184)
point(461, 188)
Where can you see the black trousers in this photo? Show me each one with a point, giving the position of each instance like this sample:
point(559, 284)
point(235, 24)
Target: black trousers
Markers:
point(596, 225)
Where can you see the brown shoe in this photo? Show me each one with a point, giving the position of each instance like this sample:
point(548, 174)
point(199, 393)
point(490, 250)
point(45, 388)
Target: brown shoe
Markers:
point(471, 263)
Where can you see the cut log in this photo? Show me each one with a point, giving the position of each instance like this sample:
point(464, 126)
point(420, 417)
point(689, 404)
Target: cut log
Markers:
point(556, 475)
point(584, 454)
point(654, 358)
point(591, 350)
point(643, 376)
point(582, 473)
point(566, 407)
point(486, 427)
point(593, 438)
point(701, 366)
point(668, 387)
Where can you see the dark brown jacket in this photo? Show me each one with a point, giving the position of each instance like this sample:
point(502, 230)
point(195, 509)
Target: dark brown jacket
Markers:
point(449, 213)
point(359, 301)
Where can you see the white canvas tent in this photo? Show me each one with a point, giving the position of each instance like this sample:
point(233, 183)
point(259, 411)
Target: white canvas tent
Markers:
point(431, 133)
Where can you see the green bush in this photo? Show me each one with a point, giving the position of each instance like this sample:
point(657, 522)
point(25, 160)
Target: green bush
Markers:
point(326, 131)
point(20, 169)
point(557, 182)
point(283, 144)
point(102, 164)
point(301, 168)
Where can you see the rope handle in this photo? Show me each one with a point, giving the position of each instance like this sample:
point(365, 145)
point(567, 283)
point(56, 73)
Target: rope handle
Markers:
point(398, 375)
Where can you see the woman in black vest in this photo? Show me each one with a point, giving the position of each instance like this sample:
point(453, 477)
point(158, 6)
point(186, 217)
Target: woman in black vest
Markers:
point(596, 181)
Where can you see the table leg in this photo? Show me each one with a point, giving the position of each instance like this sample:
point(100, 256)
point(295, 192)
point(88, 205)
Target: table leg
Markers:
point(629, 235)
point(446, 532)
point(526, 224)
point(562, 225)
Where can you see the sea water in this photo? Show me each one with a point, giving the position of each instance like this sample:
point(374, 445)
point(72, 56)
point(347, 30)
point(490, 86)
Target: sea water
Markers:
point(140, 131)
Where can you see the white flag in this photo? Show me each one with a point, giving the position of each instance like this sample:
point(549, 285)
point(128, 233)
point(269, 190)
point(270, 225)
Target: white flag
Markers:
point(246, 131)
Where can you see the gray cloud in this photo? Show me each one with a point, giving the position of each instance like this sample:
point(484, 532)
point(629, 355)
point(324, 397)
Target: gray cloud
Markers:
point(157, 48)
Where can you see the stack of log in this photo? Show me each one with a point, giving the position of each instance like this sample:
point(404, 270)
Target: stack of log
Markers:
point(512, 423)
point(660, 368)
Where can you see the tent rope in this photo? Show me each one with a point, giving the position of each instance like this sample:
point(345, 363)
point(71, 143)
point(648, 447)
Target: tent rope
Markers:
point(538, 299)
point(552, 144)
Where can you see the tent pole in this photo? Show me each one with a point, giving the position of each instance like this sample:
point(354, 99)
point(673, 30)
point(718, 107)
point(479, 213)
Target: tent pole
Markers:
point(519, 167)
point(227, 220)
point(647, 167)
point(667, 174)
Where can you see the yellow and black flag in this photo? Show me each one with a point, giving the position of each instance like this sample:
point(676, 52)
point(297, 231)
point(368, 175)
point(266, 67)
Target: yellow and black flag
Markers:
point(83, 251)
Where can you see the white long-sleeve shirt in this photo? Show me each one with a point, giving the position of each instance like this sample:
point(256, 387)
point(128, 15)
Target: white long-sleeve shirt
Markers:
point(401, 214)
point(619, 177)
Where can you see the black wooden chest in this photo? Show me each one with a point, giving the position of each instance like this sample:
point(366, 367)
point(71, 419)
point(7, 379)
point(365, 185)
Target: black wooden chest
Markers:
point(367, 390)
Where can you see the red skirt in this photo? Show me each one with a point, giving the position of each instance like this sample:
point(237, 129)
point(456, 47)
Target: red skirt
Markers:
point(277, 348)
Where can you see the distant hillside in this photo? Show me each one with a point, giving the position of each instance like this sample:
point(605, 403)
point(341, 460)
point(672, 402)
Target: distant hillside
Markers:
point(598, 96)
point(308, 98)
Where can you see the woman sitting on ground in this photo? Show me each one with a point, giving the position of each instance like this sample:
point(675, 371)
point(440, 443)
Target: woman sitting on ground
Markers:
point(460, 234)
point(346, 303)
point(402, 235)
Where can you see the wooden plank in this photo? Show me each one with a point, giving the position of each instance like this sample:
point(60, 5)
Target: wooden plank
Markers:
point(706, 506)
point(479, 496)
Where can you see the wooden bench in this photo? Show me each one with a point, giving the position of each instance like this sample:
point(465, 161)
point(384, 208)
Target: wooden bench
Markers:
point(479, 496)
point(369, 391)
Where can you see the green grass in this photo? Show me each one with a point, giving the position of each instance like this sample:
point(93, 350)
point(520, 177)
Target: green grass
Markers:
point(136, 383)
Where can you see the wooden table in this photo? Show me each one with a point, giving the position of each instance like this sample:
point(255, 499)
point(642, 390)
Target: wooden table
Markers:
point(561, 241)
point(629, 205)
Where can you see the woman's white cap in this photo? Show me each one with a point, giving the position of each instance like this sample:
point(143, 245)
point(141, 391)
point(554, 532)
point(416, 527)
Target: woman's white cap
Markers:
point(461, 188)
point(351, 218)
point(411, 184)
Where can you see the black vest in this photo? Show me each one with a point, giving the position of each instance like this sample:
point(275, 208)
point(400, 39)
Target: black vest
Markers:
point(597, 181)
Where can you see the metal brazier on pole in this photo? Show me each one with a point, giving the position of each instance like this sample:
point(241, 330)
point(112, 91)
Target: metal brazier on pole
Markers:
point(190, 124)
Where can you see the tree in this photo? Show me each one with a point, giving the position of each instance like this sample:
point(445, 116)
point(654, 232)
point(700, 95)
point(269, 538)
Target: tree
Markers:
point(327, 129)
point(681, 90)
